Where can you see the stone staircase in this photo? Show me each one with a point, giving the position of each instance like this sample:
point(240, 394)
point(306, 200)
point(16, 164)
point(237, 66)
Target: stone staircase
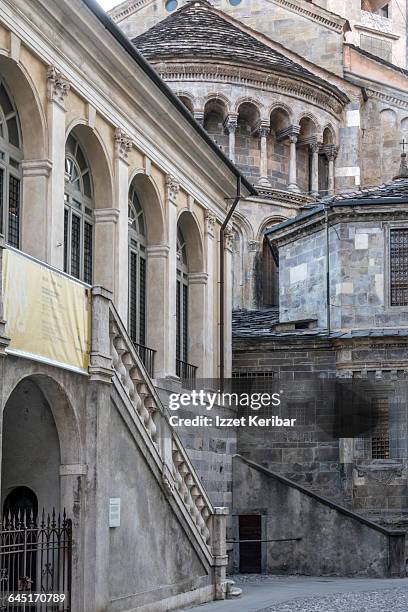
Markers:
point(117, 358)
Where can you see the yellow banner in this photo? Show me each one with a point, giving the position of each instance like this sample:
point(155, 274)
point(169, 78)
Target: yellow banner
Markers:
point(47, 314)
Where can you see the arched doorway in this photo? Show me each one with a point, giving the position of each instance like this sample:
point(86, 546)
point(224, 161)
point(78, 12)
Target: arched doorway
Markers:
point(35, 535)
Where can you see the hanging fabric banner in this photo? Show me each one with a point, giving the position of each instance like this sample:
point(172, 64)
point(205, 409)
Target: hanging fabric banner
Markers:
point(47, 314)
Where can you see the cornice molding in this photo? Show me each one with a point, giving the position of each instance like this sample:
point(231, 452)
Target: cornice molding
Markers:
point(266, 81)
point(388, 98)
point(126, 9)
point(315, 13)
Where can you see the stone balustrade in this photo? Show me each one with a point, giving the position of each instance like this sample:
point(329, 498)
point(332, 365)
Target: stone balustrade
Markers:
point(177, 470)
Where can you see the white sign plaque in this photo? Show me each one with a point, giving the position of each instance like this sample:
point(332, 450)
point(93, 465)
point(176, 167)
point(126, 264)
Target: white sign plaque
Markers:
point(114, 512)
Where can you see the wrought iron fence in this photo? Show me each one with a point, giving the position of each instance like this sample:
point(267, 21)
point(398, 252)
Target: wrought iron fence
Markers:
point(146, 354)
point(35, 560)
point(187, 372)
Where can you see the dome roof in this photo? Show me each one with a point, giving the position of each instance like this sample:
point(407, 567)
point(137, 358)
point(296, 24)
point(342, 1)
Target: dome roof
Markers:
point(198, 30)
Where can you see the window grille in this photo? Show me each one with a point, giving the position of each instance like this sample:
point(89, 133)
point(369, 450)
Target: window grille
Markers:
point(133, 296)
point(380, 440)
point(399, 266)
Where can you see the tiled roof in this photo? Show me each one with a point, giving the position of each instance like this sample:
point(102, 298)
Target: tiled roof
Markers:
point(253, 322)
point(398, 188)
point(197, 30)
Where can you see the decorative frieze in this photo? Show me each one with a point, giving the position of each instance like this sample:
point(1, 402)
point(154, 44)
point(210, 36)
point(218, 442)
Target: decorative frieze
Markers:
point(123, 144)
point(57, 86)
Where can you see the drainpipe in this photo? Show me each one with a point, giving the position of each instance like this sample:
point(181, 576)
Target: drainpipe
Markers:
point(222, 283)
point(326, 217)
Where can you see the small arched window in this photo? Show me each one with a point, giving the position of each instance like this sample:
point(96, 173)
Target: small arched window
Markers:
point(137, 270)
point(11, 155)
point(270, 277)
point(78, 215)
point(181, 300)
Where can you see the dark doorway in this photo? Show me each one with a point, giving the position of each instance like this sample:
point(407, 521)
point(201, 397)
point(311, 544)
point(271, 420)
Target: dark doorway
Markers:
point(21, 501)
point(250, 552)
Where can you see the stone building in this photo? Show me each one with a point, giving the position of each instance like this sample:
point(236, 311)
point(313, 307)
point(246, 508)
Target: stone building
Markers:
point(112, 198)
point(308, 99)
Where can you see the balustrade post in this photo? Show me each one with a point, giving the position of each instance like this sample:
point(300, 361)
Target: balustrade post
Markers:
point(219, 549)
point(101, 360)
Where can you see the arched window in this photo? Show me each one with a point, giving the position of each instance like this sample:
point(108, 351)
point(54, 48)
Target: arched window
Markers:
point(11, 155)
point(78, 216)
point(137, 270)
point(181, 301)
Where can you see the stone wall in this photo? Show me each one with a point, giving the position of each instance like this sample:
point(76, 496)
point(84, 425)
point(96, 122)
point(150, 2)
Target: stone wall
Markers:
point(359, 278)
point(330, 540)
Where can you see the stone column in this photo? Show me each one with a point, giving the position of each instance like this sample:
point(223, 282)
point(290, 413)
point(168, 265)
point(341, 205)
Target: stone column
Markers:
point(57, 90)
point(123, 144)
point(314, 148)
point(157, 312)
point(331, 154)
point(210, 364)
point(198, 320)
point(263, 132)
point(105, 256)
point(96, 540)
point(229, 242)
point(292, 185)
point(173, 188)
point(219, 550)
point(36, 174)
point(230, 125)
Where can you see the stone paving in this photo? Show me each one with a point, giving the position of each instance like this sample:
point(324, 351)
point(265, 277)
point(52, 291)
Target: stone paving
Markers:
point(263, 593)
point(384, 600)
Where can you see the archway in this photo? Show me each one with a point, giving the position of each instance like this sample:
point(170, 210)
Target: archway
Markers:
point(86, 158)
point(278, 149)
point(308, 132)
point(215, 113)
point(41, 475)
point(247, 151)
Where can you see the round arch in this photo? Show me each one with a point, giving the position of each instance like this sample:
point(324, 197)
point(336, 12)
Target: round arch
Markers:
point(151, 203)
point(190, 229)
point(64, 414)
point(99, 161)
point(31, 114)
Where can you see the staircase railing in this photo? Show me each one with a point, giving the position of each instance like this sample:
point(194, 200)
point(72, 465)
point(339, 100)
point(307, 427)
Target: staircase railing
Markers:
point(115, 359)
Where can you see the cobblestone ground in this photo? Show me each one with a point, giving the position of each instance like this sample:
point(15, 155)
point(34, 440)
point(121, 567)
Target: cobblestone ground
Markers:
point(385, 600)
point(382, 600)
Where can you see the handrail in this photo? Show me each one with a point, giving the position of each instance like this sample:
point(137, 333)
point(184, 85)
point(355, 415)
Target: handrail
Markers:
point(187, 372)
point(147, 355)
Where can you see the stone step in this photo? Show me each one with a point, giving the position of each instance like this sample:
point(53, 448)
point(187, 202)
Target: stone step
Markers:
point(231, 592)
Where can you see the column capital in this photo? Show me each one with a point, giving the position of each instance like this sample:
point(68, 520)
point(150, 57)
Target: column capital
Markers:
point(263, 130)
point(173, 187)
point(228, 238)
point(254, 245)
point(315, 147)
point(291, 132)
point(210, 220)
point(331, 151)
point(58, 86)
point(123, 144)
point(231, 123)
